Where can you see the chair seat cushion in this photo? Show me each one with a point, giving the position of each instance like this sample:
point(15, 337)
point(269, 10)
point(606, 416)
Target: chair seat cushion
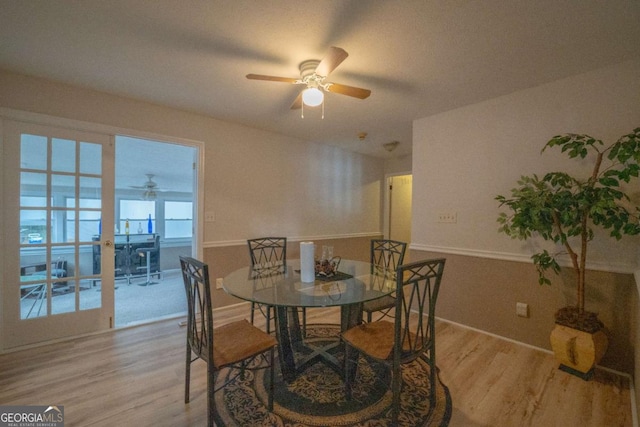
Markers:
point(237, 341)
point(383, 303)
point(376, 338)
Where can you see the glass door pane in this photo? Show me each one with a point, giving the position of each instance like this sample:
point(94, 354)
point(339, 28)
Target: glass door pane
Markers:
point(71, 215)
point(59, 209)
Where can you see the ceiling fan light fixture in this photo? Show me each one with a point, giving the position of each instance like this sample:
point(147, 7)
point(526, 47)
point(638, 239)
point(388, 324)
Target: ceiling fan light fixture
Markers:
point(312, 97)
point(149, 195)
point(313, 73)
point(390, 146)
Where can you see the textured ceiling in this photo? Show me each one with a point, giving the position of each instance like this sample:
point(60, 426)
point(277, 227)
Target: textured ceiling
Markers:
point(419, 58)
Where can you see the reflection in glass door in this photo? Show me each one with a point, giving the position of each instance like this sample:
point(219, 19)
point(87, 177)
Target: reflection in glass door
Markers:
point(63, 177)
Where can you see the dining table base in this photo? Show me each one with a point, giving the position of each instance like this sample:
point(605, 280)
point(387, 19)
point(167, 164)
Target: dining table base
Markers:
point(290, 338)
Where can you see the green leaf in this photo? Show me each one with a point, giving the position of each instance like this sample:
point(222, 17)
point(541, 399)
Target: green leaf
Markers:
point(606, 181)
point(566, 208)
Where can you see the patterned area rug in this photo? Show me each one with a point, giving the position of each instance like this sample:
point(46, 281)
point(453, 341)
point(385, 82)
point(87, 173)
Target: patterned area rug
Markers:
point(316, 397)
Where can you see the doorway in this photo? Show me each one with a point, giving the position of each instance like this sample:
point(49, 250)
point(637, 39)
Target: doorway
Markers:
point(153, 225)
point(59, 200)
point(398, 207)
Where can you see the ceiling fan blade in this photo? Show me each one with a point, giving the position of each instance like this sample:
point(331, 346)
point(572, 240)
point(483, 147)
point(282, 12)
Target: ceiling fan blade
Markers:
point(332, 59)
point(297, 103)
point(271, 78)
point(355, 92)
point(146, 187)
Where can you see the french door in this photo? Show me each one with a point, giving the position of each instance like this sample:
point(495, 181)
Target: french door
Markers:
point(58, 259)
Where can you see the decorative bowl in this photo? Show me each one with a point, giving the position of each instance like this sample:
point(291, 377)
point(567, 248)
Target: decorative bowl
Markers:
point(327, 267)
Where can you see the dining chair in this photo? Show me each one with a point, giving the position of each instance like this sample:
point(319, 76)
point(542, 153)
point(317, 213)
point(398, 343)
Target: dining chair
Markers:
point(234, 345)
point(268, 253)
point(410, 336)
point(385, 257)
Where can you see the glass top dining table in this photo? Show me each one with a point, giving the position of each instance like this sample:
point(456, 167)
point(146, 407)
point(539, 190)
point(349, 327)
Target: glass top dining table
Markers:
point(281, 287)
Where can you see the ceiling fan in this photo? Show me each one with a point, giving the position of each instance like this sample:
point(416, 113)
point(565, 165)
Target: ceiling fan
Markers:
point(313, 74)
point(150, 188)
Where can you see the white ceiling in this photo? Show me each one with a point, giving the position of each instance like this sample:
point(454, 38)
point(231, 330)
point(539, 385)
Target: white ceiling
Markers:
point(419, 58)
point(170, 164)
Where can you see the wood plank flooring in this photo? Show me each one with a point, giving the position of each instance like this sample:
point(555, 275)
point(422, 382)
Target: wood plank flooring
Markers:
point(135, 377)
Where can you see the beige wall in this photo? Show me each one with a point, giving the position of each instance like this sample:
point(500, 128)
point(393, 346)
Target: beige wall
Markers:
point(302, 189)
point(398, 165)
point(482, 293)
point(463, 158)
point(256, 182)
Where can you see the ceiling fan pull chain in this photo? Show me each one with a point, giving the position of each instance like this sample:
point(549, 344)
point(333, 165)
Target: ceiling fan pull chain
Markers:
point(302, 111)
point(322, 108)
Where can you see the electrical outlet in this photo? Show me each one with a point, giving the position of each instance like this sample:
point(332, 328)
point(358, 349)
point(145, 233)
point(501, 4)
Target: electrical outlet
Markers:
point(522, 309)
point(209, 216)
point(219, 283)
point(448, 217)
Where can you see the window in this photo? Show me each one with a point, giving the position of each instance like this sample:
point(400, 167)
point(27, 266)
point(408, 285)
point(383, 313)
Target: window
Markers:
point(137, 212)
point(178, 219)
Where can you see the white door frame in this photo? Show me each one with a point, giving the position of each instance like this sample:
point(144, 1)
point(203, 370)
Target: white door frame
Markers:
point(44, 119)
point(387, 201)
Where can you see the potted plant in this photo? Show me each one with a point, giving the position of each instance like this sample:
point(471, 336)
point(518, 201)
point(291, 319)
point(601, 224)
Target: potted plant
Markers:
point(567, 210)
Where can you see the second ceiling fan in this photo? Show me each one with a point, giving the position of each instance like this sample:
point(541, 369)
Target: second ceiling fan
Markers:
point(313, 74)
point(150, 188)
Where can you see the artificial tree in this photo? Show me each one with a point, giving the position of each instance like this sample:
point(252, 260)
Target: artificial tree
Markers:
point(566, 210)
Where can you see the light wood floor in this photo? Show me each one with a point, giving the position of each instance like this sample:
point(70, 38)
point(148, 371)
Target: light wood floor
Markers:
point(135, 377)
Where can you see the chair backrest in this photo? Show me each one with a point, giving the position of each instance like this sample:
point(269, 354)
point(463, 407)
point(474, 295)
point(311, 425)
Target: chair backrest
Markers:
point(386, 255)
point(199, 319)
point(59, 268)
point(268, 251)
point(417, 289)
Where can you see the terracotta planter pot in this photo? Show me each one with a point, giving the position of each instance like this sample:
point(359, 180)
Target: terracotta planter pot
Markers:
point(577, 350)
